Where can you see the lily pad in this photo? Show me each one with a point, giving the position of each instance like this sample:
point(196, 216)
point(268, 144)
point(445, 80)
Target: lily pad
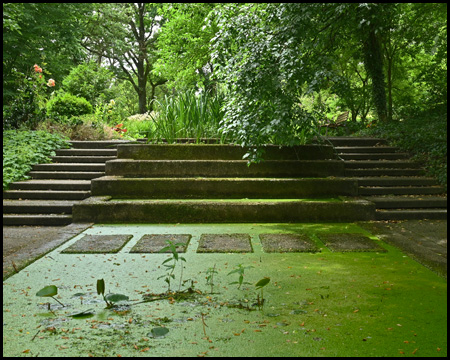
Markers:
point(158, 332)
point(116, 297)
point(263, 282)
point(48, 291)
point(82, 314)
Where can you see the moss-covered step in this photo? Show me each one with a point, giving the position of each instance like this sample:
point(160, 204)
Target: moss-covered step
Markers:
point(224, 168)
point(220, 152)
point(180, 188)
point(104, 210)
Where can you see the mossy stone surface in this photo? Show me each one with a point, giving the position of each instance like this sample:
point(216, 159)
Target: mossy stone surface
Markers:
point(349, 242)
point(93, 244)
point(154, 243)
point(287, 243)
point(224, 243)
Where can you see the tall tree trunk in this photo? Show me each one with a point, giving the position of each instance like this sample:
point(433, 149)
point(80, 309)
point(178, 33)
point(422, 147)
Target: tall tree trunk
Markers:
point(373, 63)
point(142, 91)
point(389, 87)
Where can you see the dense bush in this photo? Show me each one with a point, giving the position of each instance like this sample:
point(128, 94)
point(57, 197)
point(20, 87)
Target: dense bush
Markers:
point(90, 81)
point(65, 104)
point(24, 148)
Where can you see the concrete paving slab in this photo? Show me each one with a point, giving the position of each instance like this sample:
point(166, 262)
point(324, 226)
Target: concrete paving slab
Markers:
point(228, 243)
point(316, 304)
point(89, 244)
point(287, 243)
point(349, 242)
point(154, 243)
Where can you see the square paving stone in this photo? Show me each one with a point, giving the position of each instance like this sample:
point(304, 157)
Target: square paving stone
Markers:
point(153, 243)
point(349, 242)
point(224, 243)
point(90, 244)
point(287, 243)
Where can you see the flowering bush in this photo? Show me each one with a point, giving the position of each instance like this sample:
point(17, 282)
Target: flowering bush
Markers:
point(28, 108)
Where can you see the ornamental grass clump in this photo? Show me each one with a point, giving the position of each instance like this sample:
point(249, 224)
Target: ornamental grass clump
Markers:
point(187, 115)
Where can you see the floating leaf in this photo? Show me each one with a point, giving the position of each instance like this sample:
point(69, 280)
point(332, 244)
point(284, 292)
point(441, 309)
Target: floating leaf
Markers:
point(159, 332)
point(116, 297)
point(48, 291)
point(263, 282)
point(298, 311)
point(82, 314)
point(100, 286)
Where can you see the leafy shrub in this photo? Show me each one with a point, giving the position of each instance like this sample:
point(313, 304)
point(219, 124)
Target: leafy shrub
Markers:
point(24, 148)
point(89, 81)
point(68, 105)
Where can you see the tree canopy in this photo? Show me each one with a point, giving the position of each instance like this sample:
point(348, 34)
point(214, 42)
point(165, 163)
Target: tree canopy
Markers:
point(379, 58)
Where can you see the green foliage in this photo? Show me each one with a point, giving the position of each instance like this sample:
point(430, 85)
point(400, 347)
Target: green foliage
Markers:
point(187, 115)
point(27, 107)
point(170, 268)
point(24, 148)
point(41, 32)
point(110, 299)
point(210, 277)
point(259, 286)
point(65, 104)
point(49, 291)
point(90, 81)
point(240, 270)
point(183, 44)
point(257, 54)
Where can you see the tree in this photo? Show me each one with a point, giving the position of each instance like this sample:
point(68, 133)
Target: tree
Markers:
point(90, 81)
point(126, 34)
point(183, 45)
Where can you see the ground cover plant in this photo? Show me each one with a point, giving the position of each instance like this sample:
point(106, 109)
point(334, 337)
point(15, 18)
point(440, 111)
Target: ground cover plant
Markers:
point(24, 148)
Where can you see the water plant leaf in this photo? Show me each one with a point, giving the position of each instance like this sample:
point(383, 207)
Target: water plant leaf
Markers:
point(116, 297)
point(263, 282)
point(48, 291)
point(82, 314)
point(159, 332)
point(100, 286)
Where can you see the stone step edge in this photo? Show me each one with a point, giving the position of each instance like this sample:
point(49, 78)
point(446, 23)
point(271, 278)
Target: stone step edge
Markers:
point(408, 203)
point(421, 214)
point(36, 220)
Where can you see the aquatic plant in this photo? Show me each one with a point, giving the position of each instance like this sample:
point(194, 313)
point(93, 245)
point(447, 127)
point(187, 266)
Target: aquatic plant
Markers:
point(170, 268)
point(110, 299)
point(240, 270)
point(49, 291)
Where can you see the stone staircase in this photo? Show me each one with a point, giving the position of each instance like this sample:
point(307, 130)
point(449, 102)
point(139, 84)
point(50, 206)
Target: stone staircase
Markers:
point(389, 179)
point(47, 198)
point(354, 179)
point(183, 183)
